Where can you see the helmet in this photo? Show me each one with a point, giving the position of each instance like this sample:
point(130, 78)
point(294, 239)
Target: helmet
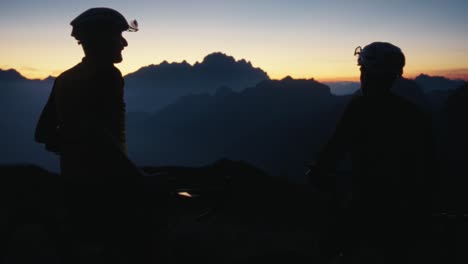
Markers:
point(381, 57)
point(100, 18)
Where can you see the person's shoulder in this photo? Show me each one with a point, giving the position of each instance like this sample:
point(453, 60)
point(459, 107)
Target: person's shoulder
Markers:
point(116, 74)
point(409, 111)
point(404, 104)
point(115, 71)
point(355, 108)
point(357, 102)
point(74, 73)
point(113, 76)
point(109, 74)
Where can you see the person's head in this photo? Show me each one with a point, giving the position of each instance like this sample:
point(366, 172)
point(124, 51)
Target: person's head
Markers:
point(381, 63)
point(99, 31)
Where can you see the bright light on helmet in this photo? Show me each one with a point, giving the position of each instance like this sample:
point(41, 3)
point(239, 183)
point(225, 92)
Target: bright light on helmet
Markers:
point(133, 26)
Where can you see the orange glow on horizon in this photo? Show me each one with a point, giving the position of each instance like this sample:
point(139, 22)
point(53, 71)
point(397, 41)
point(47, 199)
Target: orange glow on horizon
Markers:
point(348, 73)
point(461, 74)
point(309, 40)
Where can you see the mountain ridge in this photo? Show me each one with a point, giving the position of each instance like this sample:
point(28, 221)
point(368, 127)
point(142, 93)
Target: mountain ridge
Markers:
point(11, 75)
point(155, 86)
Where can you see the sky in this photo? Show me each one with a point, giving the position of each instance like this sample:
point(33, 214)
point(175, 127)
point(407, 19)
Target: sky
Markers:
point(297, 38)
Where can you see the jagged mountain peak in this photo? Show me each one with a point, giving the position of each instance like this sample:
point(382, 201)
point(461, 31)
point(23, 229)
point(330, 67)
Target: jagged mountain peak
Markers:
point(11, 75)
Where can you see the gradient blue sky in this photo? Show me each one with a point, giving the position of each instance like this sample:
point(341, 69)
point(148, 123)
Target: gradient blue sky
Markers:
point(302, 39)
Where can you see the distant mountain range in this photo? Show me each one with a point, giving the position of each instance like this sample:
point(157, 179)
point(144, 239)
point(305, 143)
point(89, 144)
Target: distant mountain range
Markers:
point(21, 101)
point(426, 82)
point(153, 87)
point(182, 114)
point(437, 83)
point(276, 125)
point(10, 76)
point(343, 88)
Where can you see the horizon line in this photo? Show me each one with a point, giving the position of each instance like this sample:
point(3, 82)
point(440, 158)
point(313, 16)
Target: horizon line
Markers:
point(449, 74)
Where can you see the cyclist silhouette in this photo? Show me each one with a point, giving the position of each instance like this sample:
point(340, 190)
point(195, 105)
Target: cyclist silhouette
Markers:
point(388, 140)
point(84, 122)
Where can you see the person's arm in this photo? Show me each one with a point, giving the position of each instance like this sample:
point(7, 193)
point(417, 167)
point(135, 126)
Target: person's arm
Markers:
point(47, 127)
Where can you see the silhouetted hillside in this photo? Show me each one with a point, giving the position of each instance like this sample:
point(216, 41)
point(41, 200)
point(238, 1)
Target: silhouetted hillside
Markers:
point(21, 101)
point(153, 87)
point(206, 113)
point(10, 76)
point(276, 125)
point(343, 88)
point(30, 199)
point(437, 83)
point(237, 214)
point(235, 205)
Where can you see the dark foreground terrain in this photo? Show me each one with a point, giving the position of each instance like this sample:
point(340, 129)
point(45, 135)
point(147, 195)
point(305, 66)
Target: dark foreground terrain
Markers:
point(236, 214)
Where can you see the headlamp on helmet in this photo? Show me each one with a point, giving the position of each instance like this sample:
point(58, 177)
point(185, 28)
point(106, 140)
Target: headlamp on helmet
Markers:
point(100, 19)
point(381, 57)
